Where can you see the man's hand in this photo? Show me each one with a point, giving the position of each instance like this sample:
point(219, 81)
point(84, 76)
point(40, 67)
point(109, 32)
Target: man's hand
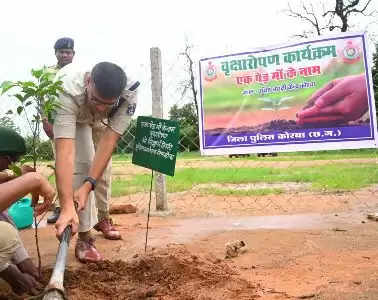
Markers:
point(27, 266)
point(44, 190)
point(340, 101)
point(21, 282)
point(27, 169)
point(68, 216)
point(81, 195)
point(48, 128)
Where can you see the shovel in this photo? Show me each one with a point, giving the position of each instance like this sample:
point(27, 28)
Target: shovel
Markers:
point(55, 289)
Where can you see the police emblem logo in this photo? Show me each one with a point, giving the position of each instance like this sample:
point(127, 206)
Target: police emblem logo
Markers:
point(131, 109)
point(210, 72)
point(351, 53)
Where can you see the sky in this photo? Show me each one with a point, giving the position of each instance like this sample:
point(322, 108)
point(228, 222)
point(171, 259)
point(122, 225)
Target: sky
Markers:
point(124, 31)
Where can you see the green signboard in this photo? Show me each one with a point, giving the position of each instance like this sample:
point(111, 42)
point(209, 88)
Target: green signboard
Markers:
point(156, 143)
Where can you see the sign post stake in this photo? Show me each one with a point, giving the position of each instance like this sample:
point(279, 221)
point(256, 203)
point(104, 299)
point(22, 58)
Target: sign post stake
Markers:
point(157, 112)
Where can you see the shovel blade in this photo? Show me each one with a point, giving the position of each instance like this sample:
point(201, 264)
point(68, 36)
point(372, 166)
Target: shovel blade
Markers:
point(54, 295)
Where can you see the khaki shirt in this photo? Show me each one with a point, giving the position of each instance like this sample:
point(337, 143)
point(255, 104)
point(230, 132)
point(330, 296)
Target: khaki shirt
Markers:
point(74, 109)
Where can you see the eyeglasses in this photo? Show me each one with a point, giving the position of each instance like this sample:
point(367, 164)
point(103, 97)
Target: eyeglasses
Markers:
point(100, 102)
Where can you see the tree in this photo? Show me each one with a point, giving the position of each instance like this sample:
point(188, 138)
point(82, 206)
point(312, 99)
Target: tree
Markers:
point(188, 122)
point(36, 99)
point(5, 121)
point(324, 17)
point(45, 149)
point(189, 83)
point(187, 115)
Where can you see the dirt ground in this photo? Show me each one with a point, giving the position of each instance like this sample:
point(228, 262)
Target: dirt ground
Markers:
point(300, 245)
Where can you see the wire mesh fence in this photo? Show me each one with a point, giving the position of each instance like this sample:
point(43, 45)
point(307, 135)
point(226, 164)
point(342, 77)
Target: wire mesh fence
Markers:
point(326, 182)
point(287, 184)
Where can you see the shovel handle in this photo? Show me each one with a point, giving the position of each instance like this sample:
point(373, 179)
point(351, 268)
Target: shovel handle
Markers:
point(56, 280)
point(66, 236)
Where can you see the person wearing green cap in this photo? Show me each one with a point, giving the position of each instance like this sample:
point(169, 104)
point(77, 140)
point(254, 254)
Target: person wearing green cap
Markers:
point(16, 267)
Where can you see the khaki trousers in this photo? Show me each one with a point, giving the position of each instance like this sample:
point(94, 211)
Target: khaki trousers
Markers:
point(87, 139)
point(20, 254)
point(9, 243)
point(103, 191)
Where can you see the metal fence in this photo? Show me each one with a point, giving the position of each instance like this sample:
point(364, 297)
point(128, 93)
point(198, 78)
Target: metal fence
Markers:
point(277, 187)
point(285, 183)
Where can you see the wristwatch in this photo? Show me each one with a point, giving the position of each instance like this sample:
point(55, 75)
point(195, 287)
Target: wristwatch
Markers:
point(92, 181)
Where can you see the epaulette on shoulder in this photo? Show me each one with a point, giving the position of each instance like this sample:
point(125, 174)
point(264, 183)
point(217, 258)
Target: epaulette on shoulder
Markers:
point(122, 100)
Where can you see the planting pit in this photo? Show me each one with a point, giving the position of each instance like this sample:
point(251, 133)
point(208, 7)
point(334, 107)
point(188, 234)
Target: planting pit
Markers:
point(170, 273)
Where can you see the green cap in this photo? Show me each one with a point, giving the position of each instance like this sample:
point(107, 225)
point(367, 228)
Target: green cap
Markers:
point(11, 142)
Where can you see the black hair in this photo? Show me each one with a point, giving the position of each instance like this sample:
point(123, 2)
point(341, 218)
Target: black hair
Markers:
point(64, 43)
point(109, 79)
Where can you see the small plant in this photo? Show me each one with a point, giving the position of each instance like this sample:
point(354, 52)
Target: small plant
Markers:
point(275, 104)
point(36, 100)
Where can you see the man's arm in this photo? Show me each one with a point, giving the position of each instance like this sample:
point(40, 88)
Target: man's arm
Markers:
point(64, 167)
point(15, 189)
point(4, 177)
point(102, 156)
point(104, 152)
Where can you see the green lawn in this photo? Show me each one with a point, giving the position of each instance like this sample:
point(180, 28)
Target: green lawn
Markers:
point(295, 156)
point(335, 176)
point(331, 177)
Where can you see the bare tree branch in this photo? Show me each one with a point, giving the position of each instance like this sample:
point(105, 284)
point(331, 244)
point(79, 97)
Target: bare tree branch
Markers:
point(328, 20)
point(189, 84)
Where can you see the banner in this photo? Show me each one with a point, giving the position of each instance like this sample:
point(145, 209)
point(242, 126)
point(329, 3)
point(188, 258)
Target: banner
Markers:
point(309, 95)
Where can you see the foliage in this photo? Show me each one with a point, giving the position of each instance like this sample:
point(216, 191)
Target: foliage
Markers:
point(36, 100)
point(7, 122)
point(188, 122)
point(44, 150)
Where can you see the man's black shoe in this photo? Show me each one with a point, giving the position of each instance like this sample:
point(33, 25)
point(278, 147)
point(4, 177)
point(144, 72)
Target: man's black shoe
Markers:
point(54, 217)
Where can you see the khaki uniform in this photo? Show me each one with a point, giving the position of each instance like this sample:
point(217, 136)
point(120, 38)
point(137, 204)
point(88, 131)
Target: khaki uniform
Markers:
point(74, 120)
point(9, 244)
point(104, 188)
point(20, 254)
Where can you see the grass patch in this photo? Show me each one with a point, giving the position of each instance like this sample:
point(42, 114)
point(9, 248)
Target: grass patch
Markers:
point(285, 156)
point(333, 177)
point(330, 177)
point(138, 184)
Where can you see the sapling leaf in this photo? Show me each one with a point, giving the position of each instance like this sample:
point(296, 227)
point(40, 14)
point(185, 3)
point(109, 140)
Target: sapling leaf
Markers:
point(5, 86)
point(19, 110)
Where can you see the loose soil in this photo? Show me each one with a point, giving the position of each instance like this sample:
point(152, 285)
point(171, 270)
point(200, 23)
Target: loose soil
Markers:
point(301, 245)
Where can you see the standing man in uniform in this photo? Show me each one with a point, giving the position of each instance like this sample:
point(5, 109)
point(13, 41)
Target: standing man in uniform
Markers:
point(64, 51)
point(103, 94)
point(16, 267)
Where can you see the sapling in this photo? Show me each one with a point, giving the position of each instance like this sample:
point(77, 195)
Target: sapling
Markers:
point(36, 100)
